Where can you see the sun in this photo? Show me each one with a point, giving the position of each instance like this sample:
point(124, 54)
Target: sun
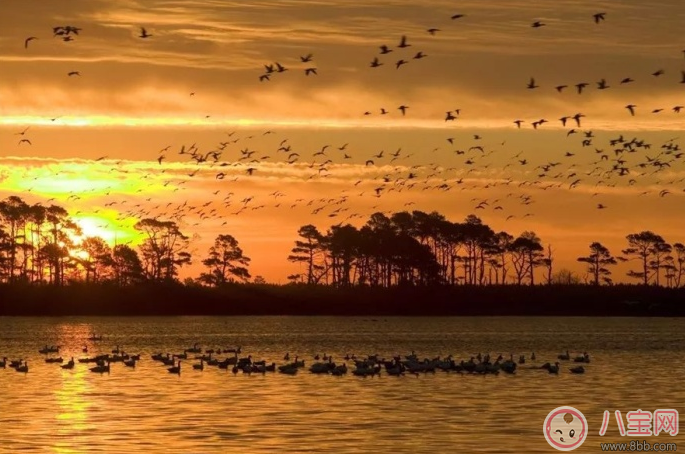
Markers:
point(108, 226)
point(94, 226)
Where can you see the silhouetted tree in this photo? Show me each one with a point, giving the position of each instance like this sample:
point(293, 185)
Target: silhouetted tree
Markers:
point(13, 214)
point(164, 248)
point(641, 246)
point(126, 265)
point(56, 251)
point(500, 252)
point(548, 262)
point(526, 251)
point(598, 260)
point(226, 262)
point(342, 245)
point(98, 257)
point(660, 257)
point(678, 264)
point(309, 251)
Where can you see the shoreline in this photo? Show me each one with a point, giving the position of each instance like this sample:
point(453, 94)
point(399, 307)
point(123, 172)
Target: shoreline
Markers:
point(303, 300)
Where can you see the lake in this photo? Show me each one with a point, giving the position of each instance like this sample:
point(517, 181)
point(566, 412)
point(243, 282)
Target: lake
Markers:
point(635, 364)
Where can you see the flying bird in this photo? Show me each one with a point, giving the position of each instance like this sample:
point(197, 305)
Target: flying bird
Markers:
point(28, 40)
point(599, 17)
point(307, 58)
point(458, 16)
point(580, 86)
point(143, 33)
point(631, 108)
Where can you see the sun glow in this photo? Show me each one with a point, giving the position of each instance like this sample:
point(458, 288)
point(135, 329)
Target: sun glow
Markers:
point(112, 230)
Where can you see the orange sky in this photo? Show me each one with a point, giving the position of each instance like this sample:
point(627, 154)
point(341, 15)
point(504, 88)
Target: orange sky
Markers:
point(132, 99)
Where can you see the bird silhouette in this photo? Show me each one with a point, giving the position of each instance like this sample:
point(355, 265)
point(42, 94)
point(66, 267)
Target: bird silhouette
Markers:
point(28, 40)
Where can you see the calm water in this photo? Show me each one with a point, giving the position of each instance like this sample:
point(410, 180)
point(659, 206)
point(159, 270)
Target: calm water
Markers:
point(635, 364)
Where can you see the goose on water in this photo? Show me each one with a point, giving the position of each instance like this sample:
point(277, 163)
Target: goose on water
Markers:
point(175, 369)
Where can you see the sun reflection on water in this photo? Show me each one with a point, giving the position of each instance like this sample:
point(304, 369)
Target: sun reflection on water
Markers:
point(72, 394)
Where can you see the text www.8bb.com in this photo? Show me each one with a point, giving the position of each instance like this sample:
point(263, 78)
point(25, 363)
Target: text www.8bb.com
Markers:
point(638, 446)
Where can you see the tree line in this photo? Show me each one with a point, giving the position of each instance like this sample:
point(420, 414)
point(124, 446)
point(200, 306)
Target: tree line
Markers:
point(421, 248)
point(43, 245)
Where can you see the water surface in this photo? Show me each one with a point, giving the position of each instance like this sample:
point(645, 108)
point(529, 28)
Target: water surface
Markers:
point(636, 363)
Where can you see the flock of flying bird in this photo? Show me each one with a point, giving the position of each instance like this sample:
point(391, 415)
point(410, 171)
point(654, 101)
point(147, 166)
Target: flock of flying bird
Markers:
point(591, 160)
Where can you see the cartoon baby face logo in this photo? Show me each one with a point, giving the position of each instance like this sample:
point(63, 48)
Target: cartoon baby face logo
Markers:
point(565, 428)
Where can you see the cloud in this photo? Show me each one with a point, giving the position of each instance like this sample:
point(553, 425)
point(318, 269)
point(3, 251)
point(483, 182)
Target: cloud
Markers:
point(133, 100)
point(481, 62)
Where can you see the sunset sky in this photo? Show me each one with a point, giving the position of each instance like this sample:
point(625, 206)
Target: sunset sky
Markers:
point(95, 138)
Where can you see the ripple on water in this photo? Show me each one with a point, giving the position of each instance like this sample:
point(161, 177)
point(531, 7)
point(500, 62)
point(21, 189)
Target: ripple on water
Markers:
point(146, 409)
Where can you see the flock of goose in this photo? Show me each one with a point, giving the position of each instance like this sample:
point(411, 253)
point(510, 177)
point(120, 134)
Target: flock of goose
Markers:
point(594, 162)
point(364, 366)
